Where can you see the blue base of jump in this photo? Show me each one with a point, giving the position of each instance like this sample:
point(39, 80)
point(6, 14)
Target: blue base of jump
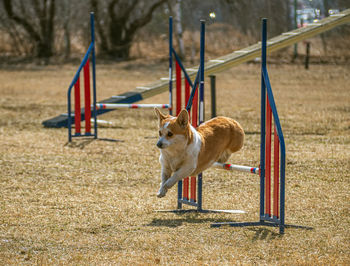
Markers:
point(261, 223)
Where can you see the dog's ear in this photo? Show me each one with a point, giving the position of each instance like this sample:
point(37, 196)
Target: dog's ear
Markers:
point(182, 118)
point(159, 114)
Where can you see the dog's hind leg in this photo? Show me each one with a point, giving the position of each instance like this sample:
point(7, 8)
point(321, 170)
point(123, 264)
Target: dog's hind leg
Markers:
point(224, 156)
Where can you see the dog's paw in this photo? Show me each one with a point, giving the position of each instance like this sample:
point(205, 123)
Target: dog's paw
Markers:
point(161, 193)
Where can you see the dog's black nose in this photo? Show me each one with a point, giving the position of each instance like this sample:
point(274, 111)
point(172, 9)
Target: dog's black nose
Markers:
point(159, 144)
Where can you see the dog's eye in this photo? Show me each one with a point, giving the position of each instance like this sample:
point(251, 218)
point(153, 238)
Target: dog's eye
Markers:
point(170, 134)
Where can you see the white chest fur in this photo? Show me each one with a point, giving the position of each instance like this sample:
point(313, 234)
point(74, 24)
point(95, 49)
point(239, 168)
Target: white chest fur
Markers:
point(175, 156)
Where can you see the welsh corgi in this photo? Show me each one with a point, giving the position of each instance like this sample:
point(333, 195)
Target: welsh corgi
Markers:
point(186, 151)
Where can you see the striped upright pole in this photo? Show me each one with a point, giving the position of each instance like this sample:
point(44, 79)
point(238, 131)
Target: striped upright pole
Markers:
point(77, 113)
point(272, 190)
point(87, 94)
point(93, 60)
point(170, 64)
point(201, 103)
point(262, 122)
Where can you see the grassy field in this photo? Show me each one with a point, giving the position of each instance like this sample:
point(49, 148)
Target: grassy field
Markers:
point(94, 201)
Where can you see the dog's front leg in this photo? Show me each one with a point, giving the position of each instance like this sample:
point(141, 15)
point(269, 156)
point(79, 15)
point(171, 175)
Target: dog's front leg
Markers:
point(166, 173)
point(176, 177)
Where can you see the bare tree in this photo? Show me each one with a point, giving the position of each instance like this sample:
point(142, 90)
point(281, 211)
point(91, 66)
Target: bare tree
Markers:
point(66, 7)
point(13, 40)
point(39, 24)
point(246, 15)
point(118, 21)
point(177, 12)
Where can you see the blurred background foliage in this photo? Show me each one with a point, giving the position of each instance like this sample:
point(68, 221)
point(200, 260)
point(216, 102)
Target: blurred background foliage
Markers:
point(127, 29)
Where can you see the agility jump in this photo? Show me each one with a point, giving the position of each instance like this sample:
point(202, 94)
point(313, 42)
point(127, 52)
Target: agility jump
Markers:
point(272, 191)
point(190, 188)
point(80, 114)
point(269, 216)
point(187, 189)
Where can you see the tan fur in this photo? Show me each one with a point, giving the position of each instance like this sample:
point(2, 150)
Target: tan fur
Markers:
point(221, 136)
point(186, 151)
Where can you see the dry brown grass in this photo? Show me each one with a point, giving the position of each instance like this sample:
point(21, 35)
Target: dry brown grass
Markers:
point(93, 202)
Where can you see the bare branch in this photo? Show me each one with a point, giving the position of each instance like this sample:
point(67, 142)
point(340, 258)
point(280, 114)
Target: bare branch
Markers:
point(21, 21)
point(136, 24)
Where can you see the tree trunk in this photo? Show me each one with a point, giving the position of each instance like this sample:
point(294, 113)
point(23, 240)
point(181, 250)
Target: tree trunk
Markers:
point(120, 41)
point(102, 41)
point(66, 29)
point(116, 39)
point(42, 35)
point(178, 29)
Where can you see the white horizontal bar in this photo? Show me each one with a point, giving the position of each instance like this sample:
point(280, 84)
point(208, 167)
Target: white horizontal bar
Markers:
point(102, 122)
point(236, 167)
point(118, 97)
point(126, 105)
point(241, 51)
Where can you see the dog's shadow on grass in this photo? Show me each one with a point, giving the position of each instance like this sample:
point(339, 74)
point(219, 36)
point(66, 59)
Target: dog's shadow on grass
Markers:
point(261, 233)
point(185, 218)
point(264, 234)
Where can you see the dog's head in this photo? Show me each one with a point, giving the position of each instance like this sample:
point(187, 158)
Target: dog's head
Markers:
point(173, 131)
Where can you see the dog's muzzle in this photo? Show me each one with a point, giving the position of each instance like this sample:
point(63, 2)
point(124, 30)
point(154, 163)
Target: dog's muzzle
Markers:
point(160, 144)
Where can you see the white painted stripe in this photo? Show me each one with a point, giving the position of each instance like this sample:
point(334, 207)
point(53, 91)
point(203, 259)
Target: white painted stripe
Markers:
point(268, 42)
point(241, 52)
point(201, 113)
point(314, 24)
point(217, 61)
point(118, 97)
point(290, 33)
